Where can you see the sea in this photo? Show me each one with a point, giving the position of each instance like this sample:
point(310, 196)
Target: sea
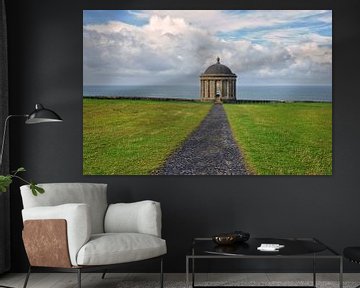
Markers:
point(321, 93)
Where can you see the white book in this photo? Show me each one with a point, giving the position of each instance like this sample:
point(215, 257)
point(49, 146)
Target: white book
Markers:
point(270, 247)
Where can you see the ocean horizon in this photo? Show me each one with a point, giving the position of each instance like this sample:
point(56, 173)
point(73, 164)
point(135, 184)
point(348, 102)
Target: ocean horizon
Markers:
point(321, 93)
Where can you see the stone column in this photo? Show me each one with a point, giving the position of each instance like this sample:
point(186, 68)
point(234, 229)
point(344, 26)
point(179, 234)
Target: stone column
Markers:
point(204, 88)
point(227, 88)
point(213, 88)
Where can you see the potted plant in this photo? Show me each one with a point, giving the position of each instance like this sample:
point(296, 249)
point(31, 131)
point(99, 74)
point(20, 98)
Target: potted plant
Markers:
point(6, 180)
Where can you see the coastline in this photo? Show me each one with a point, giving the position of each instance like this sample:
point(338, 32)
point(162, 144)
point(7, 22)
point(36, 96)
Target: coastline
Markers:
point(237, 101)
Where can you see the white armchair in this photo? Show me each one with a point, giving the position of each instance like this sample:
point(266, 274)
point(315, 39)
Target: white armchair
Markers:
point(72, 228)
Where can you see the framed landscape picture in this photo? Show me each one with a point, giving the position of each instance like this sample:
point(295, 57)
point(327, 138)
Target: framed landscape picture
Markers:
point(207, 92)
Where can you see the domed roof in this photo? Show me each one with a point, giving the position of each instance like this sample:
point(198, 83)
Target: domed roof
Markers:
point(218, 69)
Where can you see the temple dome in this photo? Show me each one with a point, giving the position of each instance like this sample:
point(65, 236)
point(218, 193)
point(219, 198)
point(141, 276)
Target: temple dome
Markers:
point(218, 68)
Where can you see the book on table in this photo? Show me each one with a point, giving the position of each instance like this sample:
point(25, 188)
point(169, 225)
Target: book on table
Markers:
point(270, 247)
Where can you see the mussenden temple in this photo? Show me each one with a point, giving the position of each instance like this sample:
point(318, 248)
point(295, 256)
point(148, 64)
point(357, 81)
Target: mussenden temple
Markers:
point(218, 83)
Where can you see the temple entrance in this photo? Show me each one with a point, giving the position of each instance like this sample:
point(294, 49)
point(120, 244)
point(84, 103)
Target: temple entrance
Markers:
point(218, 88)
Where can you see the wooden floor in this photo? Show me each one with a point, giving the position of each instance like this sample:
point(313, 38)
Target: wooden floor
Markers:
point(114, 280)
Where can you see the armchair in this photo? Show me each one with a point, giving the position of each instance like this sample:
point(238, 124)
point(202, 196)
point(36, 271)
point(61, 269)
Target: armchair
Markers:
point(71, 228)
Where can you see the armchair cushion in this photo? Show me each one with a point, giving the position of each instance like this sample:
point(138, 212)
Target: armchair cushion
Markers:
point(138, 217)
point(92, 194)
point(113, 248)
point(78, 221)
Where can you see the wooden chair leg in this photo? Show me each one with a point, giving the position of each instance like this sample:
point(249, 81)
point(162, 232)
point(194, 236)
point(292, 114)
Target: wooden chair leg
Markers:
point(79, 277)
point(27, 277)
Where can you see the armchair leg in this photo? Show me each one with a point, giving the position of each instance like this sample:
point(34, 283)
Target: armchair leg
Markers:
point(161, 273)
point(103, 275)
point(27, 277)
point(79, 277)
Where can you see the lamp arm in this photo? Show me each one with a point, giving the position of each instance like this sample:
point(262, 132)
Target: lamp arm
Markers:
point(4, 134)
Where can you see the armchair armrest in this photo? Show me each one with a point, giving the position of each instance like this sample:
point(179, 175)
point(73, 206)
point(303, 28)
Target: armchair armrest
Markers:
point(77, 219)
point(138, 217)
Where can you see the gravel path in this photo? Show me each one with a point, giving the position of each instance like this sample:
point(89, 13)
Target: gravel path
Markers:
point(209, 150)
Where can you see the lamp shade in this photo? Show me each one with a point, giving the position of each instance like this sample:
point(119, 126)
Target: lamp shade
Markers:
point(42, 115)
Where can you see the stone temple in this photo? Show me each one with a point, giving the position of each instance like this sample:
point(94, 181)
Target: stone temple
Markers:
point(218, 83)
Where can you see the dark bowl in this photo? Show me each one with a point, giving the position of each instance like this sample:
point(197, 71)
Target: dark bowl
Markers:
point(225, 239)
point(231, 238)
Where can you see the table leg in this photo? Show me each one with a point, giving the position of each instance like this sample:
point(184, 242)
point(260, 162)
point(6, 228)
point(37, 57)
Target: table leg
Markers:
point(187, 272)
point(193, 272)
point(314, 271)
point(341, 273)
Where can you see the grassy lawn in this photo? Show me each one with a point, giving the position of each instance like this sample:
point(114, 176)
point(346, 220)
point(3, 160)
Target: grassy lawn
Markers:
point(284, 138)
point(134, 137)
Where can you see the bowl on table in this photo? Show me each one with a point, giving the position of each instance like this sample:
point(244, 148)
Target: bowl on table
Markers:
point(224, 239)
point(231, 238)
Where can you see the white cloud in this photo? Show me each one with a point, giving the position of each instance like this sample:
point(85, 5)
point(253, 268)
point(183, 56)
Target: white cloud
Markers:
point(227, 21)
point(176, 45)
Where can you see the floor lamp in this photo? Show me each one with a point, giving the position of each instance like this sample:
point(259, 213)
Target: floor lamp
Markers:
point(39, 115)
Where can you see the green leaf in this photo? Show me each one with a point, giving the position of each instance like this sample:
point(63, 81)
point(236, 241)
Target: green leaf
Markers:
point(36, 189)
point(20, 169)
point(5, 181)
point(39, 189)
point(33, 189)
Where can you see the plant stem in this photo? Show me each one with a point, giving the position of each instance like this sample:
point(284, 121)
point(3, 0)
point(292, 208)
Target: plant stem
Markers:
point(22, 179)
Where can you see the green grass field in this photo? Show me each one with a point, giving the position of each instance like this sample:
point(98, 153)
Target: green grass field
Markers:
point(284, 138)
point(134, 137)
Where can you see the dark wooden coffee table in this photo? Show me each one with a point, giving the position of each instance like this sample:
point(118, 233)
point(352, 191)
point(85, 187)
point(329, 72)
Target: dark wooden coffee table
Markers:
point(294, 248)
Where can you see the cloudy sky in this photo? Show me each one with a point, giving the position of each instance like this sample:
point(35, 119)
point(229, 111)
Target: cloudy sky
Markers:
point(127, 47)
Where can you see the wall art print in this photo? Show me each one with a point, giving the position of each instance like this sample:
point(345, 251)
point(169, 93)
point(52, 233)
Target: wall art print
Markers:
point(240, 92)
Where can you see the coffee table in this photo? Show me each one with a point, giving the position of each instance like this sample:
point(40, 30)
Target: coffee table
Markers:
point(294, 248)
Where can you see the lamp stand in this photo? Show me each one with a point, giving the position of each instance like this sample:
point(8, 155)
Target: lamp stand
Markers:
point(4, 135)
